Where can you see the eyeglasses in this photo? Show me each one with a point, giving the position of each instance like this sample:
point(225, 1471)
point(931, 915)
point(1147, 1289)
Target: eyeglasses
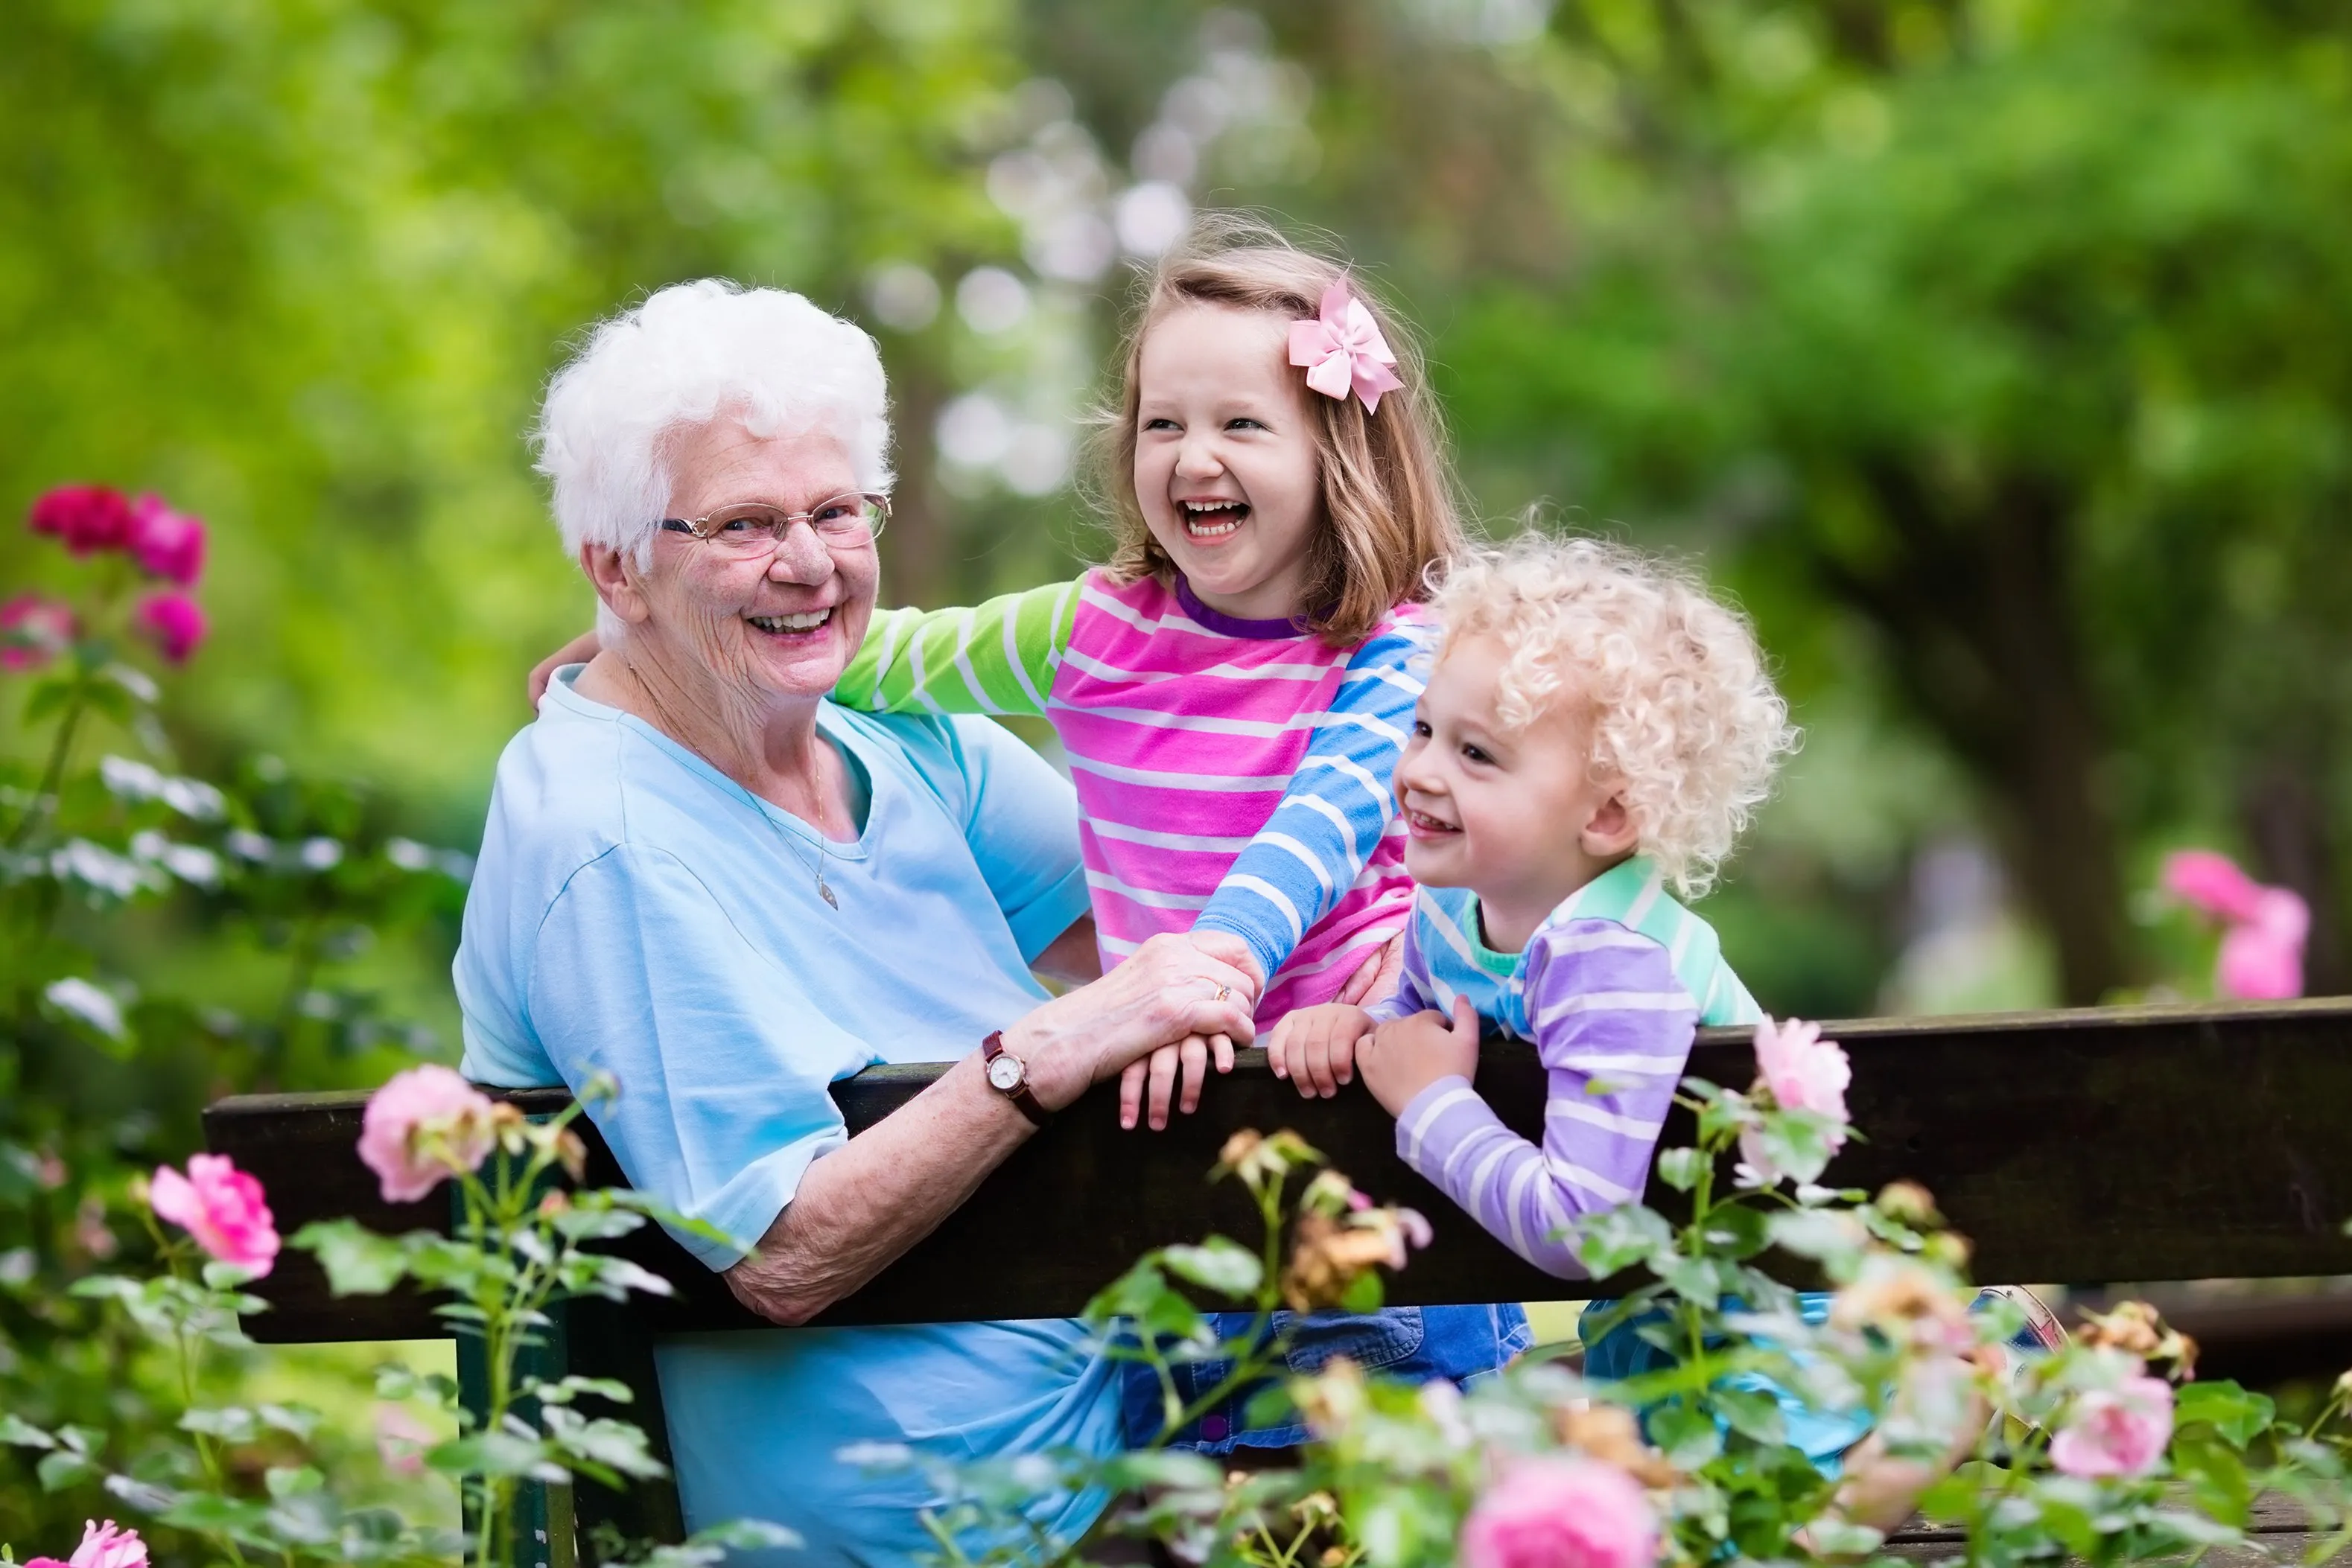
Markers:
point(755, 528)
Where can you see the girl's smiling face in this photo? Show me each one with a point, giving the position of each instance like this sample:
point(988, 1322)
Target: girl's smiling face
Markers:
point(1227, 473)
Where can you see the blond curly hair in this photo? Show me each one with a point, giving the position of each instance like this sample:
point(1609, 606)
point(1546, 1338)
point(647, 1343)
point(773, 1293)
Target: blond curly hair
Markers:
point(1682, 708)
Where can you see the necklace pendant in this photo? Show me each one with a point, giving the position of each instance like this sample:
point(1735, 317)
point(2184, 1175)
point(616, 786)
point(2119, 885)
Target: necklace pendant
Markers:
point(825, 893)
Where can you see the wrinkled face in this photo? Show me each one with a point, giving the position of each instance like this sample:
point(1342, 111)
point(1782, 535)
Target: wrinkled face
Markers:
point(1226, 472)
point(773, 625)
point(1514, 815)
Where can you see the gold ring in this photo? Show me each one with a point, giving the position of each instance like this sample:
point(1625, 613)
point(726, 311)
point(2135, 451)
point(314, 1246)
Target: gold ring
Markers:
point(1223, 991)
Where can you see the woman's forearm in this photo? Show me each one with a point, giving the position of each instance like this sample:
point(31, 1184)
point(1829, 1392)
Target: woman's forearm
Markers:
point(860, 1206)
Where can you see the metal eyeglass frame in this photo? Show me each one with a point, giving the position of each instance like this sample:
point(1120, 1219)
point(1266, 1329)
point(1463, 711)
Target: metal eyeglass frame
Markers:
point(781, 521)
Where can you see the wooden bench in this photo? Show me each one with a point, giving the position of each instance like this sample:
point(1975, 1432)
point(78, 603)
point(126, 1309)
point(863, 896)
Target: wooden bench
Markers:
point(2081, 1146)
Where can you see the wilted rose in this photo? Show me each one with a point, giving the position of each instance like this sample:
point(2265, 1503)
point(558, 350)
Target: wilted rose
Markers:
point(102, 1546)
point(1611, 1434)
point(1902, 1295)
point(400, 1439)
point(2136, 1329)
point(169, 544)
point(32, 631)
point(1330, 1252)
point(174, 623)
point(1561, 1513)
point(220, 1206)
point(84, 518)
point(425, 1125)
point(2118, 1431)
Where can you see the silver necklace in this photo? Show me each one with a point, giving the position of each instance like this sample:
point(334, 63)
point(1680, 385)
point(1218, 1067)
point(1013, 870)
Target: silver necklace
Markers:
point(824, 888)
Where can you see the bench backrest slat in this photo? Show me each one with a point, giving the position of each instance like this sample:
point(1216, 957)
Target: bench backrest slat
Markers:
point(2087, 1145)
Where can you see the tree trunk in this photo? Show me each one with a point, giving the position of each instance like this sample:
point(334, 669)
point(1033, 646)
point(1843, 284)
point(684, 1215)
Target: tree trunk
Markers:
point(2285, 813)
point(1974, 599)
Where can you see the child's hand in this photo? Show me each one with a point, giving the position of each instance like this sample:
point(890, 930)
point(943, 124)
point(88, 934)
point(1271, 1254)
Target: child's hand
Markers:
point(1314, 1048)
point(1178, 1070)
point(578, 651)
point(1401, 1059)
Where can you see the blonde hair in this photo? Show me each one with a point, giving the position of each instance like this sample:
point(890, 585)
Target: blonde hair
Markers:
point(1389, 498)
point(1682, 708)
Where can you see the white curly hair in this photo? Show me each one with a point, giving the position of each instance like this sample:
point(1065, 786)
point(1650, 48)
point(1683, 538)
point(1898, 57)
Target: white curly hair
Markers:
point(689, 354)
point(1682, 710)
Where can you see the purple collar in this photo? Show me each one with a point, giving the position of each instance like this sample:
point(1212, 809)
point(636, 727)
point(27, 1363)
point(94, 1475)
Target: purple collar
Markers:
point(1226, 625)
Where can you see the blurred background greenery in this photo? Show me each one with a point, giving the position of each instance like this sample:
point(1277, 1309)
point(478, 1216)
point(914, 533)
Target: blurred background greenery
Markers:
point(1996, 353)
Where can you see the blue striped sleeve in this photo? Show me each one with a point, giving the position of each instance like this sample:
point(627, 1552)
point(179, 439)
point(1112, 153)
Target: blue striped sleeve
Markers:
point(1613, 1027)
point(1333, 812)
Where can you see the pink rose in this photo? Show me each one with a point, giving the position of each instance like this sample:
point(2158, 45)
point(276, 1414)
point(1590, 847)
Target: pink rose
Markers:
point(85, 518)
point(32, 631)
point(174, 621)
point(1560, 1512)
point(2262, 957)
point(425, 1125)
point(102, 1546)
point(1804, 1071)
point(2208, 880)
point(169, 544)
point(2116, 1432)
point(221, 1206)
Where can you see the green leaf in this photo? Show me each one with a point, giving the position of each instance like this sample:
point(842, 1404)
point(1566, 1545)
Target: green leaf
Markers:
point(1363, 1295)
point(1687, 1436)
point(2215, 1472)
point(570, 1388)
point(2238, 1414)
point(232, 1424)
point(1754, 1413)
point(292, 1481)
point(1681, 1168)
point(602, 1443)
point(1617, 1239)
point(61, 1469)
point(358, 1261)
point(1218, 1264)
point(1835, 1538)
point(496, 1454)
point(16, 1432)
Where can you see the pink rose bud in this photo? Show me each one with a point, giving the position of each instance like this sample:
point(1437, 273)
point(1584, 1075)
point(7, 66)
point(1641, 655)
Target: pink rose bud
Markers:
point(174, 621)
point(425, 1125)
point(32, 631)
point(169, 544)
point(1561, 1513)
point(86, 518)
point(400, 1439)
point(104, 1546)
point(2209, 881)
point(221, 1206)
point(2116, 1432)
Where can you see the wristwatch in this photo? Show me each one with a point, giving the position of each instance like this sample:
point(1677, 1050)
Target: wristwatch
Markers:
point(1009, 1076)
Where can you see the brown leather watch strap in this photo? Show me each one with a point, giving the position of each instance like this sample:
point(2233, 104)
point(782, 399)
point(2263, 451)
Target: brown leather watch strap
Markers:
point(991, 1050)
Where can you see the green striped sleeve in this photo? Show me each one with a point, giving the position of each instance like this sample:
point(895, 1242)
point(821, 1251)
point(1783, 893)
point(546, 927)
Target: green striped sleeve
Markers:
point(997, 657)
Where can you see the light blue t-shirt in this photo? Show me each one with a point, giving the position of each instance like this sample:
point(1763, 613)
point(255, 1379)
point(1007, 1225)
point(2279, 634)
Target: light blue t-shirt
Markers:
point(636, 911)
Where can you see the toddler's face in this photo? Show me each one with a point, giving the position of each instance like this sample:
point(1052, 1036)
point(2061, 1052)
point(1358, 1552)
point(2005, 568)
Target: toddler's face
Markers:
point(1226, 472)
point(1514, 815)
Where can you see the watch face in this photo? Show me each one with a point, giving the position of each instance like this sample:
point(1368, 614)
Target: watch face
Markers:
point(1005, 1072)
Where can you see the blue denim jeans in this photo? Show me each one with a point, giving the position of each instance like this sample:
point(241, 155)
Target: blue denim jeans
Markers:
point(1412, 1345)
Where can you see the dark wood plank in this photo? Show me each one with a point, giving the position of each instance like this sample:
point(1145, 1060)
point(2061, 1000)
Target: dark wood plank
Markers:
point(2080, 1146)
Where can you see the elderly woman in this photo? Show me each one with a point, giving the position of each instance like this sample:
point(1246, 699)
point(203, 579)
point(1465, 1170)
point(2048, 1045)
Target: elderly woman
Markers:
point(703, 878)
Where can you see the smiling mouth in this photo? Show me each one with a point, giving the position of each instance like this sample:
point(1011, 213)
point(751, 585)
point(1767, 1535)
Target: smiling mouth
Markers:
point(1212, 519)
point(1421, 825)
point(790, 625)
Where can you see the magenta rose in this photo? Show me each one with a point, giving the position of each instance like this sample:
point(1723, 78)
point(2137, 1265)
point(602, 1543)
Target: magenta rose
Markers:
point(2118, 1431)
point(86, 518)
point(221, 1206)
point(425, 1125)
point(1562, 1514)
point(174, 622)
point(169, 544)
point(32, 631)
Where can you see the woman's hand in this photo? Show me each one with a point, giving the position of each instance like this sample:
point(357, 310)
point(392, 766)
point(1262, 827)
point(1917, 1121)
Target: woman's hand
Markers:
point(1169, 988)
point(1314, 1048)
point(1156, 1078)
point(1400, 1059)
point(578, 651)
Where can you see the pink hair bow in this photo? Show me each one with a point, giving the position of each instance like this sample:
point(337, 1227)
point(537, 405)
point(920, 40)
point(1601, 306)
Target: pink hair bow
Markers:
point(2264, 928)
point(1342, 349)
